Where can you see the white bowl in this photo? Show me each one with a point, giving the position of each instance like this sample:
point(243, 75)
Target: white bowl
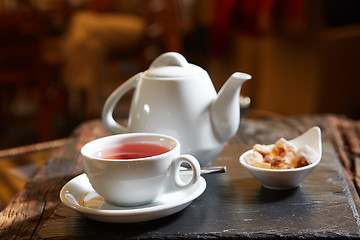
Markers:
point(281, 179)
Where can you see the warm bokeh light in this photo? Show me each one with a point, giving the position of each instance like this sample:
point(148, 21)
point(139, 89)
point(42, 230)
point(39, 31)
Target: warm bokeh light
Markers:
point(61, 59)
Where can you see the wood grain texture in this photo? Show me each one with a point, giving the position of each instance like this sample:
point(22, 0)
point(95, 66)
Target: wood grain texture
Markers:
point(234, 205)
point(31, 207)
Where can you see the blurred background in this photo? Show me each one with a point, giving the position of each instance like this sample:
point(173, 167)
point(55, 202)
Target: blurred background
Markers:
point(60, 59)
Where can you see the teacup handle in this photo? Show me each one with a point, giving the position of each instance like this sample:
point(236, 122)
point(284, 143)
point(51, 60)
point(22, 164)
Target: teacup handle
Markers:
point(195, 166)
point(112, 100)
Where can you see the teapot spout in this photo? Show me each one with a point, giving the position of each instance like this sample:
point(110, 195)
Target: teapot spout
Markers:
point(225, 110)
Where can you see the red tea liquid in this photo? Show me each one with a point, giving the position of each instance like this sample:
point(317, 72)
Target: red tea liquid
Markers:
point(133, 151)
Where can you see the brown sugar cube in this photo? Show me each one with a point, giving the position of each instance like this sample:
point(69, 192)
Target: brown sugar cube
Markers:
point(262, 149)
point(253, 157)
point(308, 153)
point(282, 146)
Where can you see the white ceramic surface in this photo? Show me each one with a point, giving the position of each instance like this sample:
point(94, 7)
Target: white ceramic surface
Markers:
point(78, 194)
point(138, 181)
point(176, 98)
point(280, 179)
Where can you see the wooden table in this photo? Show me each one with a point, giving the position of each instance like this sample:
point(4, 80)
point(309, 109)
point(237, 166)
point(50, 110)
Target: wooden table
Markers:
point(234, 205)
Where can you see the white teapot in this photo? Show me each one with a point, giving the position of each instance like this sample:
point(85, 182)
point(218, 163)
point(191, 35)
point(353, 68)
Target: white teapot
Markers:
point(176, 98)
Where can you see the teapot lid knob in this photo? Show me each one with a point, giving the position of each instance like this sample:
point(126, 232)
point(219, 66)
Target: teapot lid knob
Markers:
point(172, 65)
point(169, 59)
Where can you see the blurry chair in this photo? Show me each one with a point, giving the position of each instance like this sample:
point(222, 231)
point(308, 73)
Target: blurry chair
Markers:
point(24, 77)
point(96, 38)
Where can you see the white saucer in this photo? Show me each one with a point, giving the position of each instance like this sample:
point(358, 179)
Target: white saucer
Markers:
point(79, 195)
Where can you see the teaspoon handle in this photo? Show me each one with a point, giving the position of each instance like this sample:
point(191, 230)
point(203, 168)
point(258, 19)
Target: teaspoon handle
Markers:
point(209, 170)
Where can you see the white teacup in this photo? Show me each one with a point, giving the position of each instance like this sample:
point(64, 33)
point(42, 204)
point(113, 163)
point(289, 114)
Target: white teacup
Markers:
point(136, 181)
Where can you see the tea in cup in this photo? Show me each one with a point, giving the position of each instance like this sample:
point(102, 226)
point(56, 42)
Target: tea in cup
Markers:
point(134, 169)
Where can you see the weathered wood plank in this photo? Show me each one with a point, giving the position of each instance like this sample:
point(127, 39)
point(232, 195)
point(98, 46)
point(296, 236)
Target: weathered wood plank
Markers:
point(36, 211)
point(234, 205)
point(32, 206)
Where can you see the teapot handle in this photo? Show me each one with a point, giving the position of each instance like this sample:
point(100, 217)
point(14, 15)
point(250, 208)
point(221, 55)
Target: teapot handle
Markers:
point(112, 100)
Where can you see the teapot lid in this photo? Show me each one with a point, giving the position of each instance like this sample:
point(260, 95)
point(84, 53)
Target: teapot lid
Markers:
point(172, 65)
